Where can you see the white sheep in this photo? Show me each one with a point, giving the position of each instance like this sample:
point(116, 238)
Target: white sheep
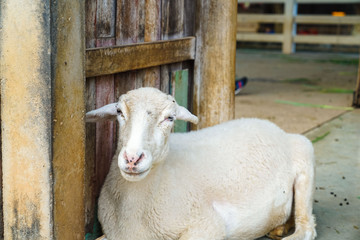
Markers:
point(236, 180)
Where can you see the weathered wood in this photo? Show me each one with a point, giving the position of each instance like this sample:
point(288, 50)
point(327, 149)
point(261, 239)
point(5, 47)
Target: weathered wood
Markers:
point(152, 20)
point(90, 154)
point(189, 18)
point(214, 83)
point(152, 33)
point(26, 121)
point(130, 28)
point(356, 100)
point(124, 83)
point(69, 127)
point(103, 61)
point(1, 175)
point(172, 27)
point(90, 182)
point(130, 22)
point(104, 92)
point(189, 30)
point(104, 130)
point(179, 89)
point(105, 19)
point(90, 23)
point(1, 179)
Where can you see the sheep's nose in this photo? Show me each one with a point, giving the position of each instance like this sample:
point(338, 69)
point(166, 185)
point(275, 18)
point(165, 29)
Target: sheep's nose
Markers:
point(132, 159)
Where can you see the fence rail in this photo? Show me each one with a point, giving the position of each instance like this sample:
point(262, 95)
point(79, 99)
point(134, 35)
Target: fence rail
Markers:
point(290, 19)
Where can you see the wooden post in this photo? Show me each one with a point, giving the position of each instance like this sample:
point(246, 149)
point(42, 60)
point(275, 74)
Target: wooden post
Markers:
point(26, 119)
point(68, 77)
point(356, 100)
point(289, 27)
point(42, 102)
point(214, 73)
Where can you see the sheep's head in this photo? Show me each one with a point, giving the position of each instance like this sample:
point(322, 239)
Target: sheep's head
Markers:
point(146, 117)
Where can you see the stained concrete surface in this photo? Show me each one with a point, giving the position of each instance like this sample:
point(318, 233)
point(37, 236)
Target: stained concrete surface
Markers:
point(337, 198)
point(297, 77)
point(337, 194)
point(301, 77)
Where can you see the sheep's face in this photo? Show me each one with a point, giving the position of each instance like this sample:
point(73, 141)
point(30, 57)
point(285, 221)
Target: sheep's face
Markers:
point(146, 117)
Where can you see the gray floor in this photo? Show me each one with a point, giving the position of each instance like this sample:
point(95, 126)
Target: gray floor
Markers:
point(337, 198)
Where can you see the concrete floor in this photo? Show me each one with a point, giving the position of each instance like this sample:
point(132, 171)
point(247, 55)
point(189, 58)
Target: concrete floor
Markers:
point(337, 155)
point(337, 195)
point(300, 77)
point(338, 172)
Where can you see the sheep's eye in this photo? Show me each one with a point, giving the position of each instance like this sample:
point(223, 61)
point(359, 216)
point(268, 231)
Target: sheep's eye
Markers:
point(119, 111)
point(171, 119)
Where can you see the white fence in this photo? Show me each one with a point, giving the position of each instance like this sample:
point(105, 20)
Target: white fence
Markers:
point(290, 19)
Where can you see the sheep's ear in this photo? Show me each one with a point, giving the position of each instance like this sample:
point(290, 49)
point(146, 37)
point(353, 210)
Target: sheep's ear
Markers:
point(184, 114)
point(107, 112)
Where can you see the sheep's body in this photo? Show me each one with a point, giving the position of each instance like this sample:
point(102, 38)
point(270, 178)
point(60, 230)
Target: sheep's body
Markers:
point(230, 181)
point(236, 180)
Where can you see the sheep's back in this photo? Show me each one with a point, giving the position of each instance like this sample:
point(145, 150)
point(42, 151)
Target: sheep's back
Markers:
point(240, 154)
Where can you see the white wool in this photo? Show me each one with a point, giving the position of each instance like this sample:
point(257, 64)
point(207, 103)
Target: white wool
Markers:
point(235, 180)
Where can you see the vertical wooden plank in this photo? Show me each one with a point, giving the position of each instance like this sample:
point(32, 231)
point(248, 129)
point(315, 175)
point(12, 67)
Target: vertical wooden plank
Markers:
point(130, 28)
point(1, 178)
point(189, 18)
point(356, 100)
point(214, 71)
point(1, 175)
point(104, 130)
point(130, 22)
point(90, 177)
point(289, 27)
point(26, 122)
point(189, 30)
point(152, 33)
point(152, 20)
point(172, 27)
point(90, 23)
point(179, 89)
point(124, 82)
point(104, 85)
point(68, 61)
point(105, 19)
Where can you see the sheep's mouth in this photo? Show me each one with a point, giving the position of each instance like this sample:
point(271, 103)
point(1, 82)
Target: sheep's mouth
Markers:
point(135, 175)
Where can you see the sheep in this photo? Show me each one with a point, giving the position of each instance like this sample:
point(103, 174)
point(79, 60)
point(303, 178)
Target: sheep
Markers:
point(237, 180)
